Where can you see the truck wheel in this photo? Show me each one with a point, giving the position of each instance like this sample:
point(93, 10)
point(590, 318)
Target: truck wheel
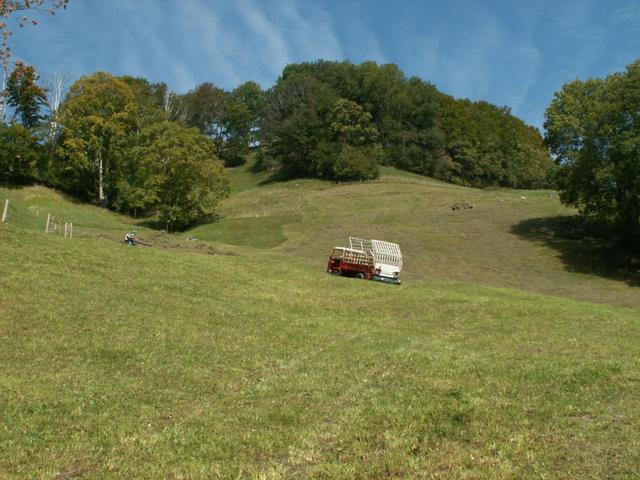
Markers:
point(360, 276)
point(335, 272)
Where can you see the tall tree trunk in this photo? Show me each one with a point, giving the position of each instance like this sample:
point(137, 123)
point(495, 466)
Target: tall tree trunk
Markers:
point(56, 86)
point(100, 177)
point(3, 86)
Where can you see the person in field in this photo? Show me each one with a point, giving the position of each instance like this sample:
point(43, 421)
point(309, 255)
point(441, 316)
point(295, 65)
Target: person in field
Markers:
point(130, 238)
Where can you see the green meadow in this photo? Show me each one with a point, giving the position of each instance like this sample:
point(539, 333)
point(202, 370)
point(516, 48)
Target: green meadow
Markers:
point(510, 351)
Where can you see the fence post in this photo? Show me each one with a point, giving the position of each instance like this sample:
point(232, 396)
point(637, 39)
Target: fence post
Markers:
point(65, 229)
point(46, 227)
point(71, 230)
point(6, 209)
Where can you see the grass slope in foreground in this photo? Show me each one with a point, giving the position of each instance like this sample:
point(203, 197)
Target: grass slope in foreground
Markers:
point(125, 362)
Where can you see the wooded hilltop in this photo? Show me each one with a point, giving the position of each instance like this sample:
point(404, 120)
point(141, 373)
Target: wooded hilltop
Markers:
point(135, 146)
point(139, 148)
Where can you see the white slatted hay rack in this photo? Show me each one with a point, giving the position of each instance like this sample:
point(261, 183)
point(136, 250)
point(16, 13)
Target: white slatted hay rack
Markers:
point(386, 255)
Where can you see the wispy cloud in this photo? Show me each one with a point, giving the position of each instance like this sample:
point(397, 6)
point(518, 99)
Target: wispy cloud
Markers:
point(264, 48)
point(361, 43)
point(311, 31)
point(284, 32)
point(274, 47)
point(210, 46)
point(514, 54)
point(483, 58)
point(469, 67)
point(231, 43)
point(525, 74)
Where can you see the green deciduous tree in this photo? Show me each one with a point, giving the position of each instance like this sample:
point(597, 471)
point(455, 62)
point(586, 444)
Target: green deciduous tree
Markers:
point(355, 139)
point(296, 131)
point(355, 163)
point(231, 120)
point(417, 128)
point(413, 142)
point(20, 13)
point(25, 95)
point(351, 124)
point(593, 129)
point(253, 100)
point(182, 176)
point(237, 126)
point(204, 109)
point(20, 155)
point(487, 146)
point(149, 99)
point(402, 111)
point(98, 118)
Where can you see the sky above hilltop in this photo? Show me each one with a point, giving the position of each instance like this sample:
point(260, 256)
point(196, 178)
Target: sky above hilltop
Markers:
point(513, 53)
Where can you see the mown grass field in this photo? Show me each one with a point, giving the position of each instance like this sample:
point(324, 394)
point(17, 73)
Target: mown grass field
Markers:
point(510, 238)
point(235, 356)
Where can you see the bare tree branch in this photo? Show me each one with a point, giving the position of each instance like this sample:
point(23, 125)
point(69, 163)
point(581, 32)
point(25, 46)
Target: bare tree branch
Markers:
point(20, 12)
point(56, 86)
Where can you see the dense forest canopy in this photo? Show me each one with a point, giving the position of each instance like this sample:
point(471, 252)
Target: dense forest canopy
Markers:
point(411, 126)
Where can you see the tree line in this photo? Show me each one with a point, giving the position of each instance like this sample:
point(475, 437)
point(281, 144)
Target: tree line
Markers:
point(112, 141)
point(340, 121)
point(137, 147)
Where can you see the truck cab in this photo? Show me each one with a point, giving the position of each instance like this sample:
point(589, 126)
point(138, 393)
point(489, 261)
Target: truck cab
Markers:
point(350, 262)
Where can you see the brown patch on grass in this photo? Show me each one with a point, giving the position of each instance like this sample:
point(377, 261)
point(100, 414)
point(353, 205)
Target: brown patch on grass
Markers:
point(78, 469)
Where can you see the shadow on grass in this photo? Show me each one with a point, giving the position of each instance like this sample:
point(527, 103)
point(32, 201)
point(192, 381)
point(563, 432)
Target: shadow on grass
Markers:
point(13, 186)
point(274, 177)
point(580, 252)
point(152, 222)
point(65, 196)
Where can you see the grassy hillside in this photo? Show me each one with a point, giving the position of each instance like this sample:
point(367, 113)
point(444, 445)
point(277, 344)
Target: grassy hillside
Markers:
point(28, 208)
point(234, 356)
point(510, 238)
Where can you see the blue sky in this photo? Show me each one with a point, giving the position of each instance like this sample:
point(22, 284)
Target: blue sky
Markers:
point(514, 53)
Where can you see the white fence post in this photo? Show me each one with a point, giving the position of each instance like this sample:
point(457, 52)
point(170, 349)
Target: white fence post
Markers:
point(6, 209)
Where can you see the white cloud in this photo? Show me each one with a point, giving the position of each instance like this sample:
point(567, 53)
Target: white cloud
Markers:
point(526, 73)
point(276, 51)
point(312, 31)
point(363, 43)
point(469, 68)
point(208, 45)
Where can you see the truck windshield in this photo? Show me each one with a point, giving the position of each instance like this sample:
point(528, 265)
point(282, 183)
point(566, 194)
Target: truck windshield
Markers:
point(337, 254)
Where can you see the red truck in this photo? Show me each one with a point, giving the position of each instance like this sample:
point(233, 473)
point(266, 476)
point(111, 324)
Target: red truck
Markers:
point(367, 259)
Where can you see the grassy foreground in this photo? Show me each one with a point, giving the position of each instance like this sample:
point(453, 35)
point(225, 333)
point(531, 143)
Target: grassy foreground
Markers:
point(125, 362)
point(235, 356)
